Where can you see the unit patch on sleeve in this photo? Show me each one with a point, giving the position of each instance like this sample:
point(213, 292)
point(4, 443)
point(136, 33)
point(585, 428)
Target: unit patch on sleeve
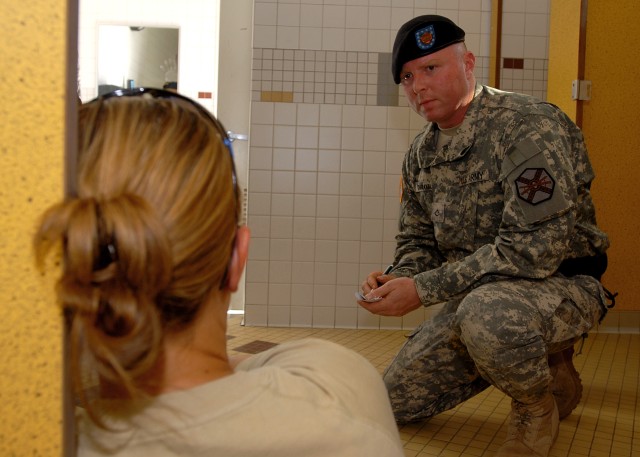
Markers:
point(535, 185)
point(536, 182)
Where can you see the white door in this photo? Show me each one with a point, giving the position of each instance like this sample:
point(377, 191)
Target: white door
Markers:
point(234, 92)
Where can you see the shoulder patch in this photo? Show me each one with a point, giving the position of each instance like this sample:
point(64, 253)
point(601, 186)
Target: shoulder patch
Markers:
point(535, 182)
point(535, 185)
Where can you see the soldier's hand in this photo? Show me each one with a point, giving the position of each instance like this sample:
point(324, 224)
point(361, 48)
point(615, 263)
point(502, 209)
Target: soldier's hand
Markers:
point(375, 280)
point(371, 282)
point(399, 295)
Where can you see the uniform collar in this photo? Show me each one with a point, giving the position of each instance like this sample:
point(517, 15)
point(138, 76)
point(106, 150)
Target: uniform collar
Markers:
point(460, 144)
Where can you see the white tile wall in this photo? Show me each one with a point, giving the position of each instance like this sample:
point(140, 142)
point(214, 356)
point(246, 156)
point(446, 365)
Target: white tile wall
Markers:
point(327, 218)
point(525, 30)
point(317, 147)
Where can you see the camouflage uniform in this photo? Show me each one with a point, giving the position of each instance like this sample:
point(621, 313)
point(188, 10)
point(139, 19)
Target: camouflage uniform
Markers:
point(485, 224)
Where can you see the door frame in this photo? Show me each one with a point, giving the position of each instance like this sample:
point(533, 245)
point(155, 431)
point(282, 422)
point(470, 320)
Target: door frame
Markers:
point(233, 102)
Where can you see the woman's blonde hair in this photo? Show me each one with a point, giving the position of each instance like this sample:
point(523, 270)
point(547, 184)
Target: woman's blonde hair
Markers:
point(147, 237)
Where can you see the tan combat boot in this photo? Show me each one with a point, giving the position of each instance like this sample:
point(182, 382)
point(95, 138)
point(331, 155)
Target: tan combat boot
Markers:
point(566, 385)
point(533, 428)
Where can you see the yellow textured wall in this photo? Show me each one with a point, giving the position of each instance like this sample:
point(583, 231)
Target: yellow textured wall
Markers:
point(612, 131)
point(564, 36)
point(32, 77)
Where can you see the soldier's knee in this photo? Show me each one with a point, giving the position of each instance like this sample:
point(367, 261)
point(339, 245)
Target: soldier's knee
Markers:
point(491, 320)
point(473, 315)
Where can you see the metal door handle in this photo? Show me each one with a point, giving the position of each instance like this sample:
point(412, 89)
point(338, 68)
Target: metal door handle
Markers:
point(237, 136)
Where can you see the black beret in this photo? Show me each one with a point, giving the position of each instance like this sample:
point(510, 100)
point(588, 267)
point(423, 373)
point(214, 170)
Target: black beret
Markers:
point(421, 36)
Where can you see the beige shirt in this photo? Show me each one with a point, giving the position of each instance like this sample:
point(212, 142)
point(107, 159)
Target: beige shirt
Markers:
point(305, 398)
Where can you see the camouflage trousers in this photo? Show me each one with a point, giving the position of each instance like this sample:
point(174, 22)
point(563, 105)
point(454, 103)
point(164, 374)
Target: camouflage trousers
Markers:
point(498, 334)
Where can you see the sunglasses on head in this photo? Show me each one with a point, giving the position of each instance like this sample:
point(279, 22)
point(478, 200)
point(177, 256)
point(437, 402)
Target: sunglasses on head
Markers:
point(109, 250)
point(147, 92)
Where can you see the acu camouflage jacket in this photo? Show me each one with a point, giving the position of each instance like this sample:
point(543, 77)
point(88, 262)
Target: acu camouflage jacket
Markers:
point(507, 198)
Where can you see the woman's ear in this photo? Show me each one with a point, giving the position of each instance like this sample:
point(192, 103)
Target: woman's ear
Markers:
point(238, 258)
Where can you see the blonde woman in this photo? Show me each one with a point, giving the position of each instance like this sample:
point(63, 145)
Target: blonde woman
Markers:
point(152, 251)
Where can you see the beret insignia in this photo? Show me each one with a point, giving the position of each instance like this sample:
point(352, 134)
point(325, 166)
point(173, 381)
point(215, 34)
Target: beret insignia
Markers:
point(425, 37)
point(421, 36)
point(535, 185)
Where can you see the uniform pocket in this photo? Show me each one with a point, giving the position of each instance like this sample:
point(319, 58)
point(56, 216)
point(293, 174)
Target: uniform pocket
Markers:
point(454, 217)
point(450, 194)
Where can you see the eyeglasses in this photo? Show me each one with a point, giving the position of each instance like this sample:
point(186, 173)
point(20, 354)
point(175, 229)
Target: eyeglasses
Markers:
point(185, 102)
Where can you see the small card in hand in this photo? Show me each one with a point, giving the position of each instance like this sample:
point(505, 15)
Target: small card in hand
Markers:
point(361, 297)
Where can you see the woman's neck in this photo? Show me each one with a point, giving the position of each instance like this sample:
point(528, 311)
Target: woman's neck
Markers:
point(199, 354)
point(194, 355)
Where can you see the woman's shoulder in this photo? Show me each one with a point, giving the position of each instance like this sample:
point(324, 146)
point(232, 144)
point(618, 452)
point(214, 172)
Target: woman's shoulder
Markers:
point(312, 354)
point(330, 382)
point(309, 387)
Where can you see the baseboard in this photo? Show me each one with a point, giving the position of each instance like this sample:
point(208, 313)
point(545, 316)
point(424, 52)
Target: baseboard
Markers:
point(623, 322)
